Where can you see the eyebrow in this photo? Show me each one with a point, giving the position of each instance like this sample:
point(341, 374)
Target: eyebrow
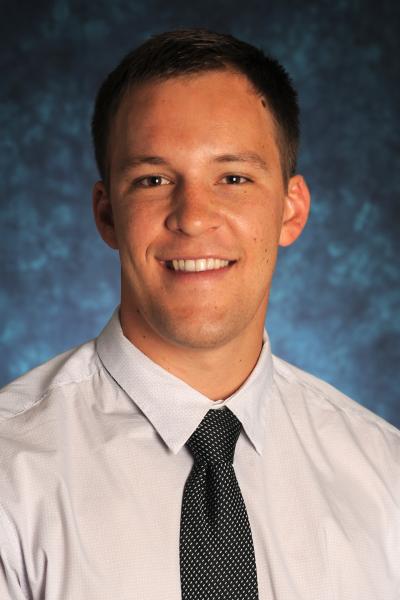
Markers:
point(244, 157)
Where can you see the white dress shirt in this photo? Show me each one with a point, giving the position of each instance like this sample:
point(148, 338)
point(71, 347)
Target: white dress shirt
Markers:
point(93, 464)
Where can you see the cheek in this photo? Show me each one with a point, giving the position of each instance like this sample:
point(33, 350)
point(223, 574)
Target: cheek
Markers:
point(265, 251)
point(136, 229)
point(261, 232)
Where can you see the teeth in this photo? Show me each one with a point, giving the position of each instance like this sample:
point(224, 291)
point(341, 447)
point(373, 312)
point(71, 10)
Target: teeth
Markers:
point(200, 264)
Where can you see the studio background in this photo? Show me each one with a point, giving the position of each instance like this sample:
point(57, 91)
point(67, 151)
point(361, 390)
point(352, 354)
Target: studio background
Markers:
point(334, 308)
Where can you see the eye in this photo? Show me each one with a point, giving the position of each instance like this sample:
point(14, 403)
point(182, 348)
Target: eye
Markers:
point(152, 181)
point(236, 179)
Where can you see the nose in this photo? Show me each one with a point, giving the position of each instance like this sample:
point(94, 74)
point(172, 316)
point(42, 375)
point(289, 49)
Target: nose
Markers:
point(194, 211)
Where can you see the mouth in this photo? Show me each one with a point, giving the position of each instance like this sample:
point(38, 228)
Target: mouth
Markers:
point(196, 265)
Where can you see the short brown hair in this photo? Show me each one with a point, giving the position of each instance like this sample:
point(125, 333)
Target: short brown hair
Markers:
point(189, 51)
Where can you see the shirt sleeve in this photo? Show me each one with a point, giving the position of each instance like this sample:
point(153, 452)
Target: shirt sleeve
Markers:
point(10, 580)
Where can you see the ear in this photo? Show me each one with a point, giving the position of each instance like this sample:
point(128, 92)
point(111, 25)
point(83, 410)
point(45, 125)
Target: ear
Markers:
point(103, 215)
point(295, 211)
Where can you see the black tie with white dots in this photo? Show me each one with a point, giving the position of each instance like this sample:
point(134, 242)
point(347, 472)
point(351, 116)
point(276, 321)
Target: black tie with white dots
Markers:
point(216, 548)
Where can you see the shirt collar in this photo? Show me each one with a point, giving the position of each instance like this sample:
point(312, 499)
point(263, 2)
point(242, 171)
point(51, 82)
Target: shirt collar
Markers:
point(173, 407)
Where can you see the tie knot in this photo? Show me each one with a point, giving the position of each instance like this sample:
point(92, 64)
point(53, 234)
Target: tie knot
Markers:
point(215, 438)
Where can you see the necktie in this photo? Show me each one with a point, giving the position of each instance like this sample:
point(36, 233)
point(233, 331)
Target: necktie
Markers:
point(216, 548)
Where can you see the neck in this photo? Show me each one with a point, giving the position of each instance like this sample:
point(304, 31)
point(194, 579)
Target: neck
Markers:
point(215, 372)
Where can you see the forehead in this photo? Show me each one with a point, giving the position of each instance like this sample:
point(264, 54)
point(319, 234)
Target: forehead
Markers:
point(211, 109)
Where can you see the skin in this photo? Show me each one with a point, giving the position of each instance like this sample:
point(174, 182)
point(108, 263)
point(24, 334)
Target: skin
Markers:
point(205, 328)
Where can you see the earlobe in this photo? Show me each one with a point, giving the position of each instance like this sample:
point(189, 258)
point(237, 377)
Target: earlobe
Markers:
point(296, 210)
point(103, 215)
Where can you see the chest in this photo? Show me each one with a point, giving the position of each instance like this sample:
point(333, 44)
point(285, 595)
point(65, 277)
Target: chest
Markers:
point(108, 527)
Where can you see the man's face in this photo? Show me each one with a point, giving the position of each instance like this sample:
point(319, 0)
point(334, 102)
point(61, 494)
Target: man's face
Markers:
point(195, 175)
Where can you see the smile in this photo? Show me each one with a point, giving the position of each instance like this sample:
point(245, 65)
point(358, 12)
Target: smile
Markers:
point(198, 264)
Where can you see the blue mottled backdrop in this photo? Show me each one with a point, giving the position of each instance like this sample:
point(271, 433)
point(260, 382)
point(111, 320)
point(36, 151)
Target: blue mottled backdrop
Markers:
point(334, 308)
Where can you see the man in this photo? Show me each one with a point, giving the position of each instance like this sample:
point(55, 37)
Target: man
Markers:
point(174, 456)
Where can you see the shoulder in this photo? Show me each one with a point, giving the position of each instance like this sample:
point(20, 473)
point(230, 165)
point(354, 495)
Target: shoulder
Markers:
point(326, 402)
point(76, 365)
